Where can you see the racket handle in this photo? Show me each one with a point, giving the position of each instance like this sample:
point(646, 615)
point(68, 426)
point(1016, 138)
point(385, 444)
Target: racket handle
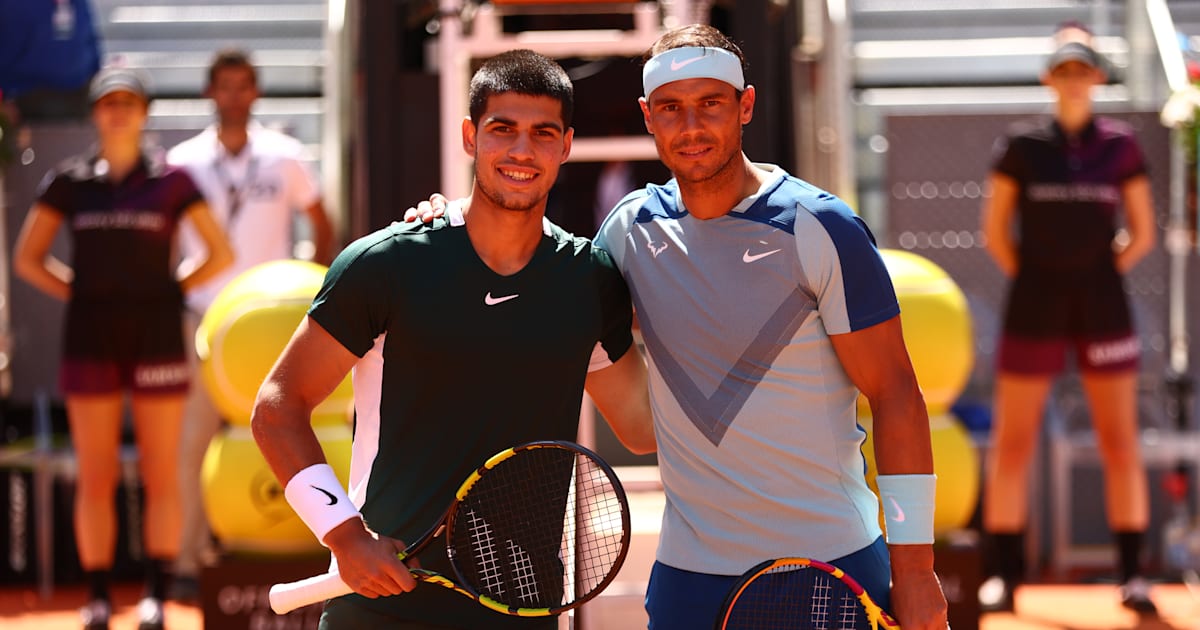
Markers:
point(289, 596)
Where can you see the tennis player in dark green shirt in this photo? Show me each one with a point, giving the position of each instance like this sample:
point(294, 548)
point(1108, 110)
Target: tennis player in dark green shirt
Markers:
point(490, 345)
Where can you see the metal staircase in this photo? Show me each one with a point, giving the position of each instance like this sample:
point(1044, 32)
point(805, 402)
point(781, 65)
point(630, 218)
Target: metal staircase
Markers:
point(174, 41)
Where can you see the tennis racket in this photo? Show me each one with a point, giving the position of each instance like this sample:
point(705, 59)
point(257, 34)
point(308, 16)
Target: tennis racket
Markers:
point(800, 594)
point(537, 530)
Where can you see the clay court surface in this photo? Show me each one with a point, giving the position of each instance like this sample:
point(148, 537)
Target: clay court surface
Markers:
point(22, 609)
point(1040, 607)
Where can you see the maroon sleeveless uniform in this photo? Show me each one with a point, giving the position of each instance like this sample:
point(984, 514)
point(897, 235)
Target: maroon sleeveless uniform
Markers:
point(123, 328)
point(1067, 293)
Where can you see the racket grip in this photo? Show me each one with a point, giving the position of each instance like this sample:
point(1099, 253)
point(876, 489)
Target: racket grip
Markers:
point(289, 596)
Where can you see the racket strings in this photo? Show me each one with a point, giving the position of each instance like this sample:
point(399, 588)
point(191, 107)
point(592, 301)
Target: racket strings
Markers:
point(540, 529)
point(524, 576)
point(850, 611)
point(601, 539)
point(796, 598)
point(483, 547)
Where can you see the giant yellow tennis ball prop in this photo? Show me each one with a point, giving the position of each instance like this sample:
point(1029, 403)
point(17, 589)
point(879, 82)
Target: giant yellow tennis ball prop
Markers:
point(956, 464)
point(937, 328)
point(248, 326)
point(244, 501)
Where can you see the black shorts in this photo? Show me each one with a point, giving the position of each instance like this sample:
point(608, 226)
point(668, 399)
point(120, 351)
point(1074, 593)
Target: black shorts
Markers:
point(110, 347)
point(1050, 312)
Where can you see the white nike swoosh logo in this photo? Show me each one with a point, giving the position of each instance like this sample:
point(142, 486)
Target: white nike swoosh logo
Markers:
point(676, 64)
point(749, 258)
point(492, 301)
point(899, 516)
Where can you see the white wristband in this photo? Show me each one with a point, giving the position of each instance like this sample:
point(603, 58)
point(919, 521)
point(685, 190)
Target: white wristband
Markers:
point(908, 502)
point(319, 499)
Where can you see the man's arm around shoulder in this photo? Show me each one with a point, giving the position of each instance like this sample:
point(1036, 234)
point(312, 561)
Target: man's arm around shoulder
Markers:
point(620, 394)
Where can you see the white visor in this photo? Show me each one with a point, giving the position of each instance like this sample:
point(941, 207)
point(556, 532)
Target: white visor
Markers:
point(693, 62)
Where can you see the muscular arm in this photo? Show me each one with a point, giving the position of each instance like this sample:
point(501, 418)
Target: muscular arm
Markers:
point(997, 219)
point(1139, 219)
point(32, 261)
point(620, 394)
point(322, 232)
point(220, 254)
point(312, 365)
point(877, 362)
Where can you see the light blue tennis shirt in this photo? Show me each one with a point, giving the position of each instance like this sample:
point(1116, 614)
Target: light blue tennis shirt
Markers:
point(759, 447)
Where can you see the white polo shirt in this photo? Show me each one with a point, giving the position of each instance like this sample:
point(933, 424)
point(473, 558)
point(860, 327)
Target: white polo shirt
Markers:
point(254, 195)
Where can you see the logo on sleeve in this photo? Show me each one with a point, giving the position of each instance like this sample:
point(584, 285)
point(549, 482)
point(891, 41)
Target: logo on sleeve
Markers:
point(899, 515)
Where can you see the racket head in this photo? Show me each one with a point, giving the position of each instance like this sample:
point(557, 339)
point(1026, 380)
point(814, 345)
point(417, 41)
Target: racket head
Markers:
point(800, 594)
point(539, 529)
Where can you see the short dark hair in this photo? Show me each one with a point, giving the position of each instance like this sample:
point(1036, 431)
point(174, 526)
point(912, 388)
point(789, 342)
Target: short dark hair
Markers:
point(694, 35)
point(524, 72)
point(231, 58)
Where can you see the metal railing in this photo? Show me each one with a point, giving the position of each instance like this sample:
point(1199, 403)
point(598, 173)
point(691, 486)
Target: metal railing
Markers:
point(1177, 238)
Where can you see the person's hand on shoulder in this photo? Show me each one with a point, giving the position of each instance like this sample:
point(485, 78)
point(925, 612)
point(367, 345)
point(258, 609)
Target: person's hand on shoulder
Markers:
point(429, 210)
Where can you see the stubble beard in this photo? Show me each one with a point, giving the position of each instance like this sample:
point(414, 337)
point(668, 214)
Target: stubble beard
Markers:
point(707, 176)
point(514, 203)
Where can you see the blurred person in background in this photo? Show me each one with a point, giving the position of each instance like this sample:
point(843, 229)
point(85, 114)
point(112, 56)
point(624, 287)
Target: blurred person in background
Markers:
point(1058, 188)
point(257, 182)
point(48, 52)
point(123, 329)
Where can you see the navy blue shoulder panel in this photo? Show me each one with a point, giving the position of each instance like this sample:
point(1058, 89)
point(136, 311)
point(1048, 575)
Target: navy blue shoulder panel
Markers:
point(662, 202)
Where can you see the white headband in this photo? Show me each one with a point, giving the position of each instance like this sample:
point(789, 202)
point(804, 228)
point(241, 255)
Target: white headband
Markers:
point(693, 62)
